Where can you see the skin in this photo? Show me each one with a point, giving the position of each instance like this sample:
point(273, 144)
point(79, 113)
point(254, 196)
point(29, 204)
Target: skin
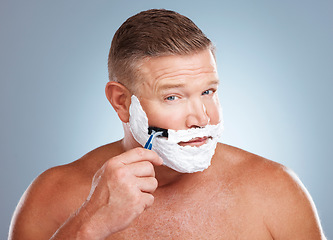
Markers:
point(122, 191)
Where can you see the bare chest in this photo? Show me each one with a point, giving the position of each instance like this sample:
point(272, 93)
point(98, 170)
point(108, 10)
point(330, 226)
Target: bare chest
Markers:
point(197, 214)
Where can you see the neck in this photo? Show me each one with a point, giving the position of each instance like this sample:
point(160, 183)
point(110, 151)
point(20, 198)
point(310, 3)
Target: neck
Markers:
point(164, 175)
point(167, 176)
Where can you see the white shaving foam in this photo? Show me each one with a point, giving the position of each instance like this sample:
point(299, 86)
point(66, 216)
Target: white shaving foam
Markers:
point(185, 159)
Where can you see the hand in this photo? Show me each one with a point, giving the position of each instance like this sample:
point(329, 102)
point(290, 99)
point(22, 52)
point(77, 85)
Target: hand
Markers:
point(121, 190)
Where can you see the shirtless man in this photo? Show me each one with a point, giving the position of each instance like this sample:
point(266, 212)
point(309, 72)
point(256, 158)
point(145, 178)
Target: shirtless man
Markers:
point(160, 61)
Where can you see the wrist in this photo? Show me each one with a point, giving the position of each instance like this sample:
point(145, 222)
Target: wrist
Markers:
point(86, 229)
point(92, 223)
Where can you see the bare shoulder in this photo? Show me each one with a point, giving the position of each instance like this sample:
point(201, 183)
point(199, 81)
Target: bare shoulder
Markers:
point(55, 195)
point(287, 208)
point(245, 165)
point(47, 203)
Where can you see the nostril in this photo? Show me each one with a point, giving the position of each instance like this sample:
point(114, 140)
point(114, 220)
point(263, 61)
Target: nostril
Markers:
point(197, 120)
point(197, 115)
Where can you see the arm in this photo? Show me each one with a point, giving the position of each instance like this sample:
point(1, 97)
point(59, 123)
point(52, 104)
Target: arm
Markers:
point(121, 190)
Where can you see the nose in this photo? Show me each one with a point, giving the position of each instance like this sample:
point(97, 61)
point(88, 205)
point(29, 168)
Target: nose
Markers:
point(197, 114)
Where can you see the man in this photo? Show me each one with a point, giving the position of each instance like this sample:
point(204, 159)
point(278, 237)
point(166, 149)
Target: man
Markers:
point(163, 74)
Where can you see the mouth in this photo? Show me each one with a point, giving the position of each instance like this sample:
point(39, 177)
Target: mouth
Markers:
point(195, 142)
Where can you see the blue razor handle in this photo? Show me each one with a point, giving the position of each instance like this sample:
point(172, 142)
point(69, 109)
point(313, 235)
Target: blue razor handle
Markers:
point(149, 143)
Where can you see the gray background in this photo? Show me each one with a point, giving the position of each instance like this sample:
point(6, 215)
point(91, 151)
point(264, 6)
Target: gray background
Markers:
point(275, 64)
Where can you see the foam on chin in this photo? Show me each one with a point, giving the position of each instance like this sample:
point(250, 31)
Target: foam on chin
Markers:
point(185, 159)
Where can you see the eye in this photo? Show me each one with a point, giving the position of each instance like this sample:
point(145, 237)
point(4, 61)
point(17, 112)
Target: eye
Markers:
point(208, 92)
point(171, 98)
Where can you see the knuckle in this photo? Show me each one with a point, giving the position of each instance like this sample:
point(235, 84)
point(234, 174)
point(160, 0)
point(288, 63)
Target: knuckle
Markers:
point(139, 151)
point(154, 183)
point(150, 168)
point(111, 164)
point(117, 159)
point(149, 200)
point(140, 202)
point(120, 173)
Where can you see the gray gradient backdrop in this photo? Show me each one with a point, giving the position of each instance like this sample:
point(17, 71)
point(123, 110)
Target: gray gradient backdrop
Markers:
point(275, 64)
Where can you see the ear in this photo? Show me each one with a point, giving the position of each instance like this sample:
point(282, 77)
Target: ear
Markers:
point(120, 98)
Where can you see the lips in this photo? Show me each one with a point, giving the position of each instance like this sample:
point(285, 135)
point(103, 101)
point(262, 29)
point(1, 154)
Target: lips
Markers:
point(195, 142)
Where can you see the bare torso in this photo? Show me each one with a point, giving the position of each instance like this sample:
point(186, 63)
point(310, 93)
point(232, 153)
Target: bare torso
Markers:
point(240, 196)
point(209, 208)
point(219, 203)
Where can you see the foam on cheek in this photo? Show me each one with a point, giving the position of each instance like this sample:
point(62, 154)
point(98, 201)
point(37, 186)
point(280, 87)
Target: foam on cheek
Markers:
point(184, 159)
point(138, 122)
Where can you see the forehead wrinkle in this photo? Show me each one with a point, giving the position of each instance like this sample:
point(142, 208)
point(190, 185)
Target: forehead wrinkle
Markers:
point(180, 80)
point(163, 87)
point(184, 72)
point(174, 69)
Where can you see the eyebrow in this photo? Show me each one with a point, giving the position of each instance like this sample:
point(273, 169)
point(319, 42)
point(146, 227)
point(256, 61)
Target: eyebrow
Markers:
point(214, 82)
point(182, 85)
point(170, 86)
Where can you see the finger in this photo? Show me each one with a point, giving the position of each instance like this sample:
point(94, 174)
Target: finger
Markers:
point(139, 154)
point(147, 184)
point(142, 169)
point(148, 200)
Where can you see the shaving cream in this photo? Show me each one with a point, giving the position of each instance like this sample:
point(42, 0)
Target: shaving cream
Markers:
point(184, 159)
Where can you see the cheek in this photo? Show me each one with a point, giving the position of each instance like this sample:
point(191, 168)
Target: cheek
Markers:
point(213, 110)
point(169, 118)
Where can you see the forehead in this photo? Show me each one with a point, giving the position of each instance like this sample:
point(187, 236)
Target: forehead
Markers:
point(179, 67)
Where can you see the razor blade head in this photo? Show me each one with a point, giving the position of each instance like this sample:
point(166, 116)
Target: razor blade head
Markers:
point(152, 130)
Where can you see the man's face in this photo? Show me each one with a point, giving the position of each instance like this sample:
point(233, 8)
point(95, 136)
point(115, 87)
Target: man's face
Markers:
point(180, 92)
